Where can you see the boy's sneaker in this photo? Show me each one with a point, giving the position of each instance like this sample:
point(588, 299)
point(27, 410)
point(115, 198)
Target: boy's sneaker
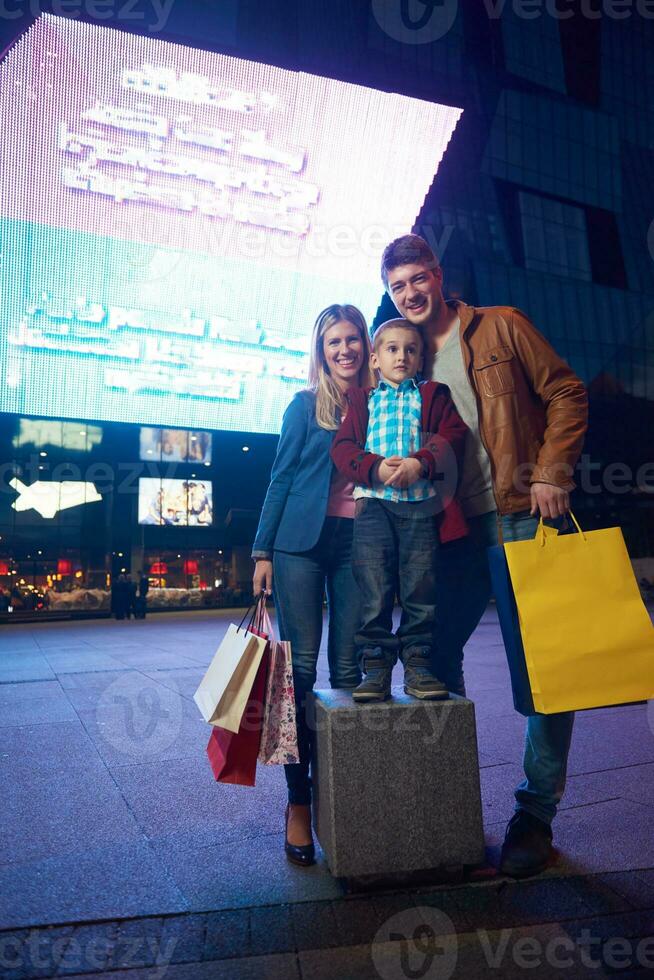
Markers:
point(376, 684)
point(419, 681)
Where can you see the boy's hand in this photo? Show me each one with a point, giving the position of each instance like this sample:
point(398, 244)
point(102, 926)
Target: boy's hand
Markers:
point(387, 467)
point(404, 474)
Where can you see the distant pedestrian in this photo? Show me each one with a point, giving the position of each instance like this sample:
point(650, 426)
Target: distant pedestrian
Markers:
point(120, 597)
point(132, 596)
point(141, 605)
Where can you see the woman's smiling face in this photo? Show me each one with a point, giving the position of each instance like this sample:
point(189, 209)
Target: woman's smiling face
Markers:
point(343, 350)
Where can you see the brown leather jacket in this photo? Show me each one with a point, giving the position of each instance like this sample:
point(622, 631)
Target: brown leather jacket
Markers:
point(533, 410)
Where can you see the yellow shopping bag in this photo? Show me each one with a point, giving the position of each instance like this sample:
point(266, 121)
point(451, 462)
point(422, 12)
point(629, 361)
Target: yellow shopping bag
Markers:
point(588, 639)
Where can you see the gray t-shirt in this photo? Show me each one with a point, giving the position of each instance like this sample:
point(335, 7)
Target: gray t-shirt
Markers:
point(476, 486)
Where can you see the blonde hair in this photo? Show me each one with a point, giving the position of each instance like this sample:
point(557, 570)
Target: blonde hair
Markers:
point(399, 323)
point(330, 401)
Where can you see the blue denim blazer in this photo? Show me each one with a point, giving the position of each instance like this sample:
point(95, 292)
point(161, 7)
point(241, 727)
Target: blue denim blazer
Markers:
point(296, 502)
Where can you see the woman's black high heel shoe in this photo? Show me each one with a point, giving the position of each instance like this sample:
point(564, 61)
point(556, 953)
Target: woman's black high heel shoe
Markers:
point(302, 854)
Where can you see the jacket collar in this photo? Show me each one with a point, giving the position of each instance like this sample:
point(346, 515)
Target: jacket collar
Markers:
point(464, 312)
point(405, 385)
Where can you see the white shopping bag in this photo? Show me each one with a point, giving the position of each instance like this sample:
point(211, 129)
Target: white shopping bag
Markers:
point(225, 688)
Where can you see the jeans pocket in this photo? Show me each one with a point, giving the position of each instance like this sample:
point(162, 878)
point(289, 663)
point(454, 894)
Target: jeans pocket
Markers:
point(360, 505)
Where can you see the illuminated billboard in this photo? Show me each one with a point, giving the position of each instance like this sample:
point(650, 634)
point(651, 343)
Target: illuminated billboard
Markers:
point(174, 445)
point(177, 503)
point(73, 436)
point(172, 221)
point(47, 498)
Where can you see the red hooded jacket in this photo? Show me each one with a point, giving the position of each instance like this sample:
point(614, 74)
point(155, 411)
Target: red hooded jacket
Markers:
point(444, 435)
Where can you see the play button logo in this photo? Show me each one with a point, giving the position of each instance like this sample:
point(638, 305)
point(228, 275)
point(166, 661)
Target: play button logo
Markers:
point(415, 21)
point(418, 943)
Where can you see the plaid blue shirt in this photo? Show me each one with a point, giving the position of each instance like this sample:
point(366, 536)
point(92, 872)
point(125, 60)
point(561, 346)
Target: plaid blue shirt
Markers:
point(395, 429)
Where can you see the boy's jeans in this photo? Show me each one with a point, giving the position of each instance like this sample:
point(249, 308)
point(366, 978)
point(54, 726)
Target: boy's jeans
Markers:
point(466, 589)
point(394, 553)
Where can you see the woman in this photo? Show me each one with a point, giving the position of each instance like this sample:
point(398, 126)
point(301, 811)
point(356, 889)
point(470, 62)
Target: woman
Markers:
point(304, 539)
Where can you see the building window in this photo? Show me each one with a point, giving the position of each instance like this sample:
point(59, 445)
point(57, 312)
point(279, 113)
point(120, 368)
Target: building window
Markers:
point(482, 35)
point(581, 46)
point(555, 236)
point(605, 249)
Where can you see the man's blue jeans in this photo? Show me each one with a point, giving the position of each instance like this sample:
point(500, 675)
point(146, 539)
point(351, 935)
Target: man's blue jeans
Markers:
point(299, 581)
point(394, 554)
point(466, 590)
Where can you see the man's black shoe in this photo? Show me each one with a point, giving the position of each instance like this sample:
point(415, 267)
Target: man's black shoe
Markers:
point(376, 684)
point(419, 681)
point(527, 846)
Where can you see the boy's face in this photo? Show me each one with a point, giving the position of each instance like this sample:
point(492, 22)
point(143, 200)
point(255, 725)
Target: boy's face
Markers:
point(398, 355)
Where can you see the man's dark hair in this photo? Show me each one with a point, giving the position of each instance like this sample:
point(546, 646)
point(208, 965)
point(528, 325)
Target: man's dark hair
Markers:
point(407, 250)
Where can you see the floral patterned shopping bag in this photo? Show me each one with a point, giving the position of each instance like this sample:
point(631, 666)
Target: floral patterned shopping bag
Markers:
point(279, 734)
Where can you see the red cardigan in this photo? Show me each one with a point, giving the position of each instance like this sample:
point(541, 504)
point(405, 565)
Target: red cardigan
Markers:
point(444, 432)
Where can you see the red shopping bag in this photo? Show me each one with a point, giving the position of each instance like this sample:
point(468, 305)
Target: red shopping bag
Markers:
point(233, 757)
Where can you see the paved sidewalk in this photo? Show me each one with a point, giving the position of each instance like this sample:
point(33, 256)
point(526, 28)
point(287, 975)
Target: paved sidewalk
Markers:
point(120, 855)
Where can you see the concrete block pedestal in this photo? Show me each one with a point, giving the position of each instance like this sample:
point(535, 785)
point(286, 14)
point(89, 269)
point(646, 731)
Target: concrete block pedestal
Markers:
point(396, 784)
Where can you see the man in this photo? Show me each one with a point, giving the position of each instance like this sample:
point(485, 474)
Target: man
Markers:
point(527, 415)
point(142, 598)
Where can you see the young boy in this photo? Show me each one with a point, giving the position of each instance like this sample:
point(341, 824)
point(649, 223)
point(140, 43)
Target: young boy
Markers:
point(401, 443)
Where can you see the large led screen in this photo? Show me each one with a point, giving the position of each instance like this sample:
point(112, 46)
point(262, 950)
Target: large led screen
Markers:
point(178, 503)
point(172, 220)
point(174, 446)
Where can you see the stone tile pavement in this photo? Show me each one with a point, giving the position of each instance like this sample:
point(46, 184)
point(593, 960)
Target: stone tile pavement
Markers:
point(120, 856)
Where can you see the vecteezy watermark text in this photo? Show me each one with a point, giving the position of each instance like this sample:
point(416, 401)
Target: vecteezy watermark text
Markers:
point(591, 476)
point(152, 14)
point(565, 9)
point(422, 942)
point(427, 21)
point(41, 949)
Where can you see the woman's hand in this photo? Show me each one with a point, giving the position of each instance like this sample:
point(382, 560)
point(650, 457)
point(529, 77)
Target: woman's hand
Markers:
point(263, 577)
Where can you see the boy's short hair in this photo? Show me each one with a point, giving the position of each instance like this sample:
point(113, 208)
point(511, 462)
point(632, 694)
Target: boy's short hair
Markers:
point(399, 323)
point(407, 250)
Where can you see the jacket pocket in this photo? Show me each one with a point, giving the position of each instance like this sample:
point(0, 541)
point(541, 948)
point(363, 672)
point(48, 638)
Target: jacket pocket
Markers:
point(494, 373)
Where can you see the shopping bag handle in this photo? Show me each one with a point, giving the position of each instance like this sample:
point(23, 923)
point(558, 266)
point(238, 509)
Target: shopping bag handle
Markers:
point(540, 531)
point(260, 613)
point(257, 614)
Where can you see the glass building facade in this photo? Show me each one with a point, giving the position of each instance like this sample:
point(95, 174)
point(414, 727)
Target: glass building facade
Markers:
point(84, 503)
point(545, 202)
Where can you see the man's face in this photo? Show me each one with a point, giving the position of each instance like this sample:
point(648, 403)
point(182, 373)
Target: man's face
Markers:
point(417, 293)
point(398, 355)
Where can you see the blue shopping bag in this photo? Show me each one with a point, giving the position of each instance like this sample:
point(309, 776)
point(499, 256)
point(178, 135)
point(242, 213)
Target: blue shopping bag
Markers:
point(507, 612)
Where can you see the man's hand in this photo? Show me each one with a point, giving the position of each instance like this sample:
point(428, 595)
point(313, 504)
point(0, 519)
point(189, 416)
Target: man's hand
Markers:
point(405, 473)
point(548, 500)
point(263, 577)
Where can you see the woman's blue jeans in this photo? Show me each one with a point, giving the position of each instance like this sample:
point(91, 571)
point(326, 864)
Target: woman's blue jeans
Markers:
point(466, 589)
point(300, 581)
